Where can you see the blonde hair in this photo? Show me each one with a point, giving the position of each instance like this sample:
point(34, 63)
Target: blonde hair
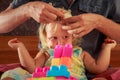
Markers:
point(42, 35)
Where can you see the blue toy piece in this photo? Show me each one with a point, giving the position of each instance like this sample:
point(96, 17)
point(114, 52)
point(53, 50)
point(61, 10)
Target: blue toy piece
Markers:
point(58, 71)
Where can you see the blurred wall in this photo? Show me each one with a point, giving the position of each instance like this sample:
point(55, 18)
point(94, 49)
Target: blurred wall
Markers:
point(29, 28)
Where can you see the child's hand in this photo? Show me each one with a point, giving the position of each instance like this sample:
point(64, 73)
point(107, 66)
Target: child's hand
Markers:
point(109, 43)
point(15, 43)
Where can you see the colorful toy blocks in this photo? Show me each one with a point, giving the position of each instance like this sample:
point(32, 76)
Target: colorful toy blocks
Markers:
point(65, 51)
point(40, 72)
point(60, 64)
point(58, 71)
point(62, 55)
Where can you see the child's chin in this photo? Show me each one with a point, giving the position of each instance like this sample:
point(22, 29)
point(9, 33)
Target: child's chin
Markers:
point(51, 47)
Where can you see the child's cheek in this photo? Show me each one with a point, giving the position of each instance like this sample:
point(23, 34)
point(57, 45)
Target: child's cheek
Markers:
point(51, 44)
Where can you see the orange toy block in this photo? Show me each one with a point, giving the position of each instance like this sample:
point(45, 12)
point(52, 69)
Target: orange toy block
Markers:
point(66, 61)
point(29, 79)
point(55, 61)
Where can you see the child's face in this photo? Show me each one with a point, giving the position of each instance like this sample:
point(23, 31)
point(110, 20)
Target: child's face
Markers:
point(56, 35)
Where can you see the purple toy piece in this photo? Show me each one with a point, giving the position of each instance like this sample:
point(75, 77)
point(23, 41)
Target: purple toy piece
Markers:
point(40, 72)
point(46, 68)
point(67, 50)
point(58, 51)
point(39, 69)
point(35, 75)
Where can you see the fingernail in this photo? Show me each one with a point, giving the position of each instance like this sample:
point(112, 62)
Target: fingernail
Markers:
point(63, 27)
point(75, 35)
point(70, 32)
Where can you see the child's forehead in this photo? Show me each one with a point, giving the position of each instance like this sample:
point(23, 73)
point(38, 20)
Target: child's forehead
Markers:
point(54, 26)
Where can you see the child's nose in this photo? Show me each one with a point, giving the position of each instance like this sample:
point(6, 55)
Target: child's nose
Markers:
point(61, 42)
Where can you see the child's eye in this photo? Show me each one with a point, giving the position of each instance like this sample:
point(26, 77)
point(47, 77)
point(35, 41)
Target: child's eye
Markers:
point(53, 38)
point(65, 37)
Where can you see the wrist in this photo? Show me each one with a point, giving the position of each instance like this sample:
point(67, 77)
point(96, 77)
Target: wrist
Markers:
point(106, 48)
point(25, 11)
point(21, 46)
point(100, 22)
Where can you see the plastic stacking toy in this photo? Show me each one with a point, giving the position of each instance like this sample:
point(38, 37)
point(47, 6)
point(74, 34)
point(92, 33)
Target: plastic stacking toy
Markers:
point(60, 64)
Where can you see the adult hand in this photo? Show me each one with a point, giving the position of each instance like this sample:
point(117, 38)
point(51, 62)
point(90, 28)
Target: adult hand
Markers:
point(82, 24)
point(42, 12)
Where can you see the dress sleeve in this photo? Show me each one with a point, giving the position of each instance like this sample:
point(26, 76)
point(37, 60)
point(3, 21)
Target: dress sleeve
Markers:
point(17, 3)
point(77, 51)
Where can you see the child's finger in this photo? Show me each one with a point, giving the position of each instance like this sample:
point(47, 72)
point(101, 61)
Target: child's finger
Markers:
point(109, 41)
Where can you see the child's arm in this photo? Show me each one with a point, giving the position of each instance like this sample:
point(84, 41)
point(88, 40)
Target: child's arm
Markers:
point(25, 59)
point(41, 58)
point(102, 63)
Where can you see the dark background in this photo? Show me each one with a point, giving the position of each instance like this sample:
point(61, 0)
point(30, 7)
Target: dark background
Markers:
point(28, 28)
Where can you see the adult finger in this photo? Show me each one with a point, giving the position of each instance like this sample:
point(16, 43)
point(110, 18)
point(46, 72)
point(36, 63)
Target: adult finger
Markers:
point(69, 20)
point(45, 20)
point(82, 31)
point(49, 15)
point(76, 30)
point(71, 26)
point(55, 11)
point(81, 34)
